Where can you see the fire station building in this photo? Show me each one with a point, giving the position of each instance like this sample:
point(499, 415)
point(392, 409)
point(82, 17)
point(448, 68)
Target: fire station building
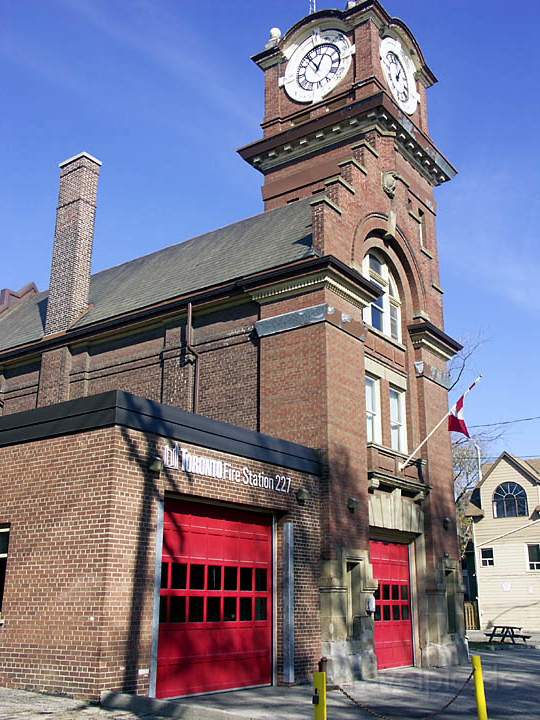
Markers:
point(203, 451)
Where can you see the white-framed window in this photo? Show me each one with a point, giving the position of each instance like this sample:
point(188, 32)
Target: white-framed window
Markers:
point(486, 557)
point(398, 424)
point(373, 410)
point(384, 313)
point(4, 544)
point(534, 557)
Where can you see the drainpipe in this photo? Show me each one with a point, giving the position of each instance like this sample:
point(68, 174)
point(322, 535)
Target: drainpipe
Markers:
point(192, 351)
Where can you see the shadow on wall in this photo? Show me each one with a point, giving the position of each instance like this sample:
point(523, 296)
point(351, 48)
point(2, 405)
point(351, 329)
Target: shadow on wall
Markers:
point(145, 547)
point(507, 611)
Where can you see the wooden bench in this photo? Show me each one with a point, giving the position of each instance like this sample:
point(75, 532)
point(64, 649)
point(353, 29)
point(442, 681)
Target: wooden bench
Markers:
point(504, 632)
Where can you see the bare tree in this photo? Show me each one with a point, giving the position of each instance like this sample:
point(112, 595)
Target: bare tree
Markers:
point(466, 474)
point(465, 450)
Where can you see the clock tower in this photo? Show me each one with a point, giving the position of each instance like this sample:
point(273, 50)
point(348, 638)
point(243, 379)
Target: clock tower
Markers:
point(335, 79)
point(345, 129)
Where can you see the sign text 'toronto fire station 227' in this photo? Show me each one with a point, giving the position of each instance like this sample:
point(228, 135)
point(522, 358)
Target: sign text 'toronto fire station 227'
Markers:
point(177, 458)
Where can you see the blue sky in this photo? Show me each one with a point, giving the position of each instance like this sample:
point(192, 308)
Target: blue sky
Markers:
point(163, 92)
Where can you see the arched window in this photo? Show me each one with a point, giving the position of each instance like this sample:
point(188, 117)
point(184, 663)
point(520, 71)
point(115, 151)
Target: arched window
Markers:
point(384, 313)
point(509, 500)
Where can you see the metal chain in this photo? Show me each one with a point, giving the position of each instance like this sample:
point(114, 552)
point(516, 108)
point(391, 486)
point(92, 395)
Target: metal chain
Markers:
point(432, 714)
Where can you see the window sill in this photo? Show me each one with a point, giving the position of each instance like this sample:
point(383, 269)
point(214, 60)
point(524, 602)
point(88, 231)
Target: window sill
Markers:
point(388, 450)
point(380, 334)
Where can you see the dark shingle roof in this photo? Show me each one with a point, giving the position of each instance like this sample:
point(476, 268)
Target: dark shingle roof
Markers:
point(262, 242)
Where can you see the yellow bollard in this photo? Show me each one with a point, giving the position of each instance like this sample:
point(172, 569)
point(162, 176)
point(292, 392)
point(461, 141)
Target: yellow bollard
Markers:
point(479, 687)
point(319, 698)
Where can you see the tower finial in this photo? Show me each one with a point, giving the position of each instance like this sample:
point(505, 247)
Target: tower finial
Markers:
point(312, 6)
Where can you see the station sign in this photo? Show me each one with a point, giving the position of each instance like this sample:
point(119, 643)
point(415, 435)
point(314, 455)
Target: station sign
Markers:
point(178, 458)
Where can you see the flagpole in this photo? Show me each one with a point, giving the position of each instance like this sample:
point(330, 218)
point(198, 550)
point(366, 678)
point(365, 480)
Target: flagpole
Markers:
point(403, 465)
point(479, 458)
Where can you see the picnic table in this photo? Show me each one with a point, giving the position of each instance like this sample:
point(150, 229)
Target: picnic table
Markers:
point(504, 632)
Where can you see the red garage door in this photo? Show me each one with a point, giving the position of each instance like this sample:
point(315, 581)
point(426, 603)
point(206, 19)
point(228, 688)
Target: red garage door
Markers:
point(393, 625)
point(215, 629)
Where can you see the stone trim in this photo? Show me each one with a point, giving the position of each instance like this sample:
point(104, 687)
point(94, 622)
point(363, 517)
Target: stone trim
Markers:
point(390, 511)
point(382, 371)
point(376, 478)
point(338, 180)
point(327, 280)
point(425, 334)
point(365, 145)
point(291, 320)
point(355, 162)
point(326, 201)
point(79, 156)
point(428, 371)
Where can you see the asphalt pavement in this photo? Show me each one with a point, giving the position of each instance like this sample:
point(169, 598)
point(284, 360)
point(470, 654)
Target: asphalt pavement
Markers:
point(511, 679)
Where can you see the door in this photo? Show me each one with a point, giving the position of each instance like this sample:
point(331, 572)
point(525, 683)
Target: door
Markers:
point(215, 630)
point(393, 624)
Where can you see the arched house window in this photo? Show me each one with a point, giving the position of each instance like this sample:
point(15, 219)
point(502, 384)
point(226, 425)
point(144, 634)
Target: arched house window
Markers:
point(509, 500)
point(384, 313)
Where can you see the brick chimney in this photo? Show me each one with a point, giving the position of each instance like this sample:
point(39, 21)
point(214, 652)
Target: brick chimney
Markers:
point(73, 241)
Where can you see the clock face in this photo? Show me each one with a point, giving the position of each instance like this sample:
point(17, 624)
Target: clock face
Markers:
point(317, 65)
point(398, 70)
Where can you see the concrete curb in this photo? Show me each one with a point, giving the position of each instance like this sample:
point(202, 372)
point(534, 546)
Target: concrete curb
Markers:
point(145, 706)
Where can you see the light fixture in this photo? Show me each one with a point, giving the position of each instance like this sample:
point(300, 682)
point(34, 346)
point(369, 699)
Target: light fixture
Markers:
point(352, 504)
point(156, 466)
point(302, 495)
point(446, 523)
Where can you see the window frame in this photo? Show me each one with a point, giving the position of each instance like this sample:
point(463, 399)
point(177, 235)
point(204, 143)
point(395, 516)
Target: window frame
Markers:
point(388, 303)
point(4, 559)
point(401, 423)
point(511, 488)
point(422, 228)
point(376, 413)
point(531, 563)
point(485, 561)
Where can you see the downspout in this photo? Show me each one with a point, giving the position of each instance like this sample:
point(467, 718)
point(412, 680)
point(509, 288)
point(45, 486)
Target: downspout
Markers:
point(192, 351)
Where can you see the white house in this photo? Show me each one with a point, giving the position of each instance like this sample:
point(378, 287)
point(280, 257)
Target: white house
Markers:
point(506, 535)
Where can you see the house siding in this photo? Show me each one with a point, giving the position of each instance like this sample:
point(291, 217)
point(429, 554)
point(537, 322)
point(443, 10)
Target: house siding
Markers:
point(508, 591)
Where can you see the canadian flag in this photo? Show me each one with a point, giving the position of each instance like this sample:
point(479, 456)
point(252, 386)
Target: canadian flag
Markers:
point(456, 421)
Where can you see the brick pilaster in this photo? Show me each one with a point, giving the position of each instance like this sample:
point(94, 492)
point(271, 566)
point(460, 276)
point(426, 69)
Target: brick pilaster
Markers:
point(54, 377)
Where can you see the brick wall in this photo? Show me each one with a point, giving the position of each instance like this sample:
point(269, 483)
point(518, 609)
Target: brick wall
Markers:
point(18, 388)
point(153, 363)
point(56, 498)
